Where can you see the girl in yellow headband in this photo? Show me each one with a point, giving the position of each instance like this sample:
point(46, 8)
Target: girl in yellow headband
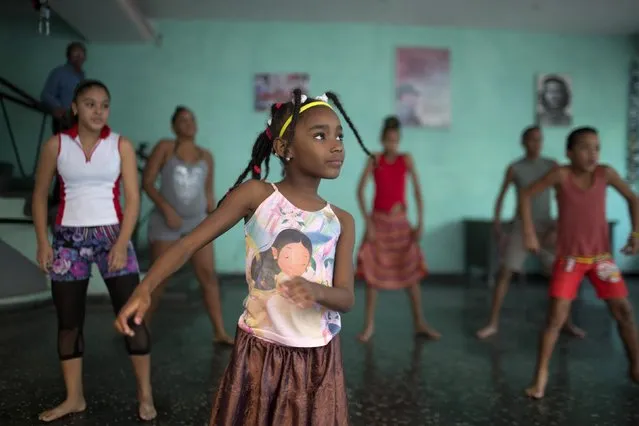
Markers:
point(299, 270)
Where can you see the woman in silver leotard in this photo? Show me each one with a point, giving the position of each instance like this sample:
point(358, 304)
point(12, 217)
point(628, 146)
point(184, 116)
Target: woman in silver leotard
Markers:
point(183, 200)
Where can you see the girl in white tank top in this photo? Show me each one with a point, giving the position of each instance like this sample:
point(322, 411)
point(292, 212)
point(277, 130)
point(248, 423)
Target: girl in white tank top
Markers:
point(92, 227)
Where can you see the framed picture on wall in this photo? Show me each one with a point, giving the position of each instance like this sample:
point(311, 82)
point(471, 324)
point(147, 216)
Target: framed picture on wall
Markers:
point(422, 87)
point(554, 100)
point(272, 88)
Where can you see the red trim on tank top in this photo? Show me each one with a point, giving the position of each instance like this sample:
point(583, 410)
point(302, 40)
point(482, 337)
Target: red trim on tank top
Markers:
point(116, 198)
point(73, 132)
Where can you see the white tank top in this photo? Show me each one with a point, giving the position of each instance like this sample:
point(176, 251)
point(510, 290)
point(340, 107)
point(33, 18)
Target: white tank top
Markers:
point(89, 186)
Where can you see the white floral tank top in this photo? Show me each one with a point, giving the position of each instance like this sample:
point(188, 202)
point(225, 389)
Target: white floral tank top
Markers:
point(283, 242)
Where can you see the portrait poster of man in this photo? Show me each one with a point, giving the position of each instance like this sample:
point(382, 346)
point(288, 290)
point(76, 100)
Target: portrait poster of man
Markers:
point(554, 100)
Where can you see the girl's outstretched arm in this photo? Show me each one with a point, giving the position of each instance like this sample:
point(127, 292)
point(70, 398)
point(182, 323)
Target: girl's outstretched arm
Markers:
point(239, 203)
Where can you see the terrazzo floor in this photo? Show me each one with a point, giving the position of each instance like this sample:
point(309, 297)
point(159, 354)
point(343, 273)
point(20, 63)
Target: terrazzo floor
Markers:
point(394, 380)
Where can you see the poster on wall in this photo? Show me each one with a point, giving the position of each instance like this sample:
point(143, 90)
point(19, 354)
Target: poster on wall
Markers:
point(633, 125)
point(272, 88)
point(422, 87)
point(554, 100)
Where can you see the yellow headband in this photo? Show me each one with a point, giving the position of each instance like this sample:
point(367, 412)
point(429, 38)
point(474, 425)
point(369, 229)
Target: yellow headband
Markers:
point(302, 109)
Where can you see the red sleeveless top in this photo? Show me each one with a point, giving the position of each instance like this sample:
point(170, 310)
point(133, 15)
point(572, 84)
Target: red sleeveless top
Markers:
point(390, 183)
point(582, 226)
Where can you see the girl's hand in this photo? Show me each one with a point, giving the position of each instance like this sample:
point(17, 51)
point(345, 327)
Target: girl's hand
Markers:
point(531, 242)
point(631, 247)
point(172, 219)
point(136, 307)
point(45, 257)
point(118, 256)
point(301, 292)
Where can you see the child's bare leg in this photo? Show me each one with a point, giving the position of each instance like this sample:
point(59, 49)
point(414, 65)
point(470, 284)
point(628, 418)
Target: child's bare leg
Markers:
point(142, 369)
point(369, 319)
point(204, 265)
point(157, 249)
point(421, 327)
point(557, 314)
point(501, 288)
point(621, 310)
point(74, 403)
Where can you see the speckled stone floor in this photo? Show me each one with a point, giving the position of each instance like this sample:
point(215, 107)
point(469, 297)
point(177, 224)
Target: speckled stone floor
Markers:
point(394, 380)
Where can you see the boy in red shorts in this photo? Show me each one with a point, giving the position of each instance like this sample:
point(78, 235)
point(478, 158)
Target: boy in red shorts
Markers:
point(583, 246)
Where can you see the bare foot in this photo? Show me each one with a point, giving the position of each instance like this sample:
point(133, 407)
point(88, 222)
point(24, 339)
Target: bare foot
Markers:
point(487, 331)
point(424, 330)
point(365, 335)
point(574, 331)
point(146, 409)
point(634, 374)
point(67, 407)
point(224, 339)
point(538, 389)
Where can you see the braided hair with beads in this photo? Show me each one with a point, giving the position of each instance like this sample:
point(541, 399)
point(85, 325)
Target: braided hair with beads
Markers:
point(280, 113)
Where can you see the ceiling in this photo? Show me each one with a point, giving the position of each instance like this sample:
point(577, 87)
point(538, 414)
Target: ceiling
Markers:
point(129, 21)
point(566, 16)
point(109, 21)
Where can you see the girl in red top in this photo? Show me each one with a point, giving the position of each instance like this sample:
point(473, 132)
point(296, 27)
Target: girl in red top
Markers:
point(583, 246)
point(390, 257)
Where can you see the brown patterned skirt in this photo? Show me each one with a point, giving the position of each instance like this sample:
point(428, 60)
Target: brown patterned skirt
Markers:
point(267, 384)
point(394, 259)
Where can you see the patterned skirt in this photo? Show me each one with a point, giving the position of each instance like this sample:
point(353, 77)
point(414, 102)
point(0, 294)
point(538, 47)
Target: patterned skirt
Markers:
point(394, 259)
point(269, 384)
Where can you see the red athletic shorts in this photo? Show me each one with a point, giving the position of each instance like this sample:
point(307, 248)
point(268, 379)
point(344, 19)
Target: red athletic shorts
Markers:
point(604, 274)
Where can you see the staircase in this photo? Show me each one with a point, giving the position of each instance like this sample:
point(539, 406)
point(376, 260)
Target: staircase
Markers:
point(22, 281)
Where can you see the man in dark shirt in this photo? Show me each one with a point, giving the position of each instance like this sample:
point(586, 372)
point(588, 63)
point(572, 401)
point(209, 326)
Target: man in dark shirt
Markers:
point(57, 94)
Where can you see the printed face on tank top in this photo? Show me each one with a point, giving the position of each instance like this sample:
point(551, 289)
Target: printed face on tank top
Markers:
point(284, 242)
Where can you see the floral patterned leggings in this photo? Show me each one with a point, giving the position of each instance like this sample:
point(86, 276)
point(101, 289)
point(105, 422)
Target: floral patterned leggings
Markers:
point(75, 249)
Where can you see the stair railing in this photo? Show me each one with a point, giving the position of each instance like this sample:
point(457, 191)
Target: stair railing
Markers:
point(20, 97)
